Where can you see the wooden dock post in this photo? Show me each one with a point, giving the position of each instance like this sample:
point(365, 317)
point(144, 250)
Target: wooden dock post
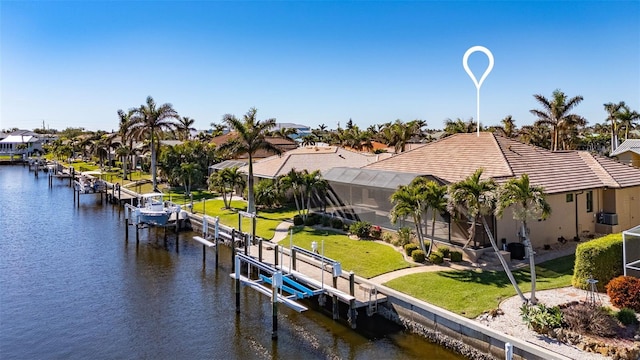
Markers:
point(293, 258)
point(352, 282)
point(275, 256)
point(126, 224)
point(352, 314)
point(137, 234)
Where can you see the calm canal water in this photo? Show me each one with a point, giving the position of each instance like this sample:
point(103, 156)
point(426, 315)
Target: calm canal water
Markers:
point(71, 287)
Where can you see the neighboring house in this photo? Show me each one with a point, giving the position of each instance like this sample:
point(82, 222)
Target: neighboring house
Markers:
point(281, 143)
point(301, 129)
point(628, 152)
point(310, 158)
point(588, 194)
point(13, 143)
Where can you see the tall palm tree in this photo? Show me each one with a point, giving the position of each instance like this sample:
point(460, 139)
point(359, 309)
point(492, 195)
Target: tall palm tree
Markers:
point(556, 114)
point(184, 127)
point(459, 126)
point(628, 119)
point(508, 128)
point(152, 119)
point(435, 199)
point(251, 137)
point(530, 203)
point(313, 184)
point(613, 111)
point(478, 197)
point(126, 133)
point(293, 180)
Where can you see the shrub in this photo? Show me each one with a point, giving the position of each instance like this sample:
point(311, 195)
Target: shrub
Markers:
point(375, 232)
point(456, 256)
point(297, 220)
point(417, 256)
point(410, 248)
point(311, 220)
point(326, 221)
point(600, 258)
point(445, 252)
point(387, 237)
point(404, 236)
point(336, 223)
point(588, 319)
point(361, 229)
point(627, 316)
point(436, 258)
point(624, 292)
point(541, 318)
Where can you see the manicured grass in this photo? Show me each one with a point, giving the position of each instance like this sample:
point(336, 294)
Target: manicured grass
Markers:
point(470, 293)
point(365, 258)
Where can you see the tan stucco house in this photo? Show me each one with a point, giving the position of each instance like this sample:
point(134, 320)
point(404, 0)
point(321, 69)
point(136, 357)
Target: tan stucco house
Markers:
point(628, 152)
point(589, 194)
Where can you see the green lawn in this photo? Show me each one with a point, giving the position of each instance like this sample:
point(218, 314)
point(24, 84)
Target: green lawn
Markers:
point(470, 293)
point(365, 258)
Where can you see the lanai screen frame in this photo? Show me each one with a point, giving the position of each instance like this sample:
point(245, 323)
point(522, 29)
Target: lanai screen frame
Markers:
point(634, 265)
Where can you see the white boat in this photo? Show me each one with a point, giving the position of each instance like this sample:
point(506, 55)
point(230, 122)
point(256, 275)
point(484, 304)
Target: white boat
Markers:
point(152, 210)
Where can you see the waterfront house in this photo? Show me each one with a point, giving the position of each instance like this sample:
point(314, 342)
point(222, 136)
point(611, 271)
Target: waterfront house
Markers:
point(588, 193)
point(628, 152)
point(21, 142)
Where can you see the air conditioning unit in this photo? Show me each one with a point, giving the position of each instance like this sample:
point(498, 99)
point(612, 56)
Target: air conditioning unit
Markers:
point(609, 218)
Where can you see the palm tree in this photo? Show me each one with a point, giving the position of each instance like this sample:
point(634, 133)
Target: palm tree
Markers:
point(613, 111)
point(459, 126)
point(313, 184)
point(150, 119)
point(184, 127)
point(508, 128)
point(188, 172)
point(555, 113)
point(251, 137)
point(408, 200)
point(530, 203)
point(284, 133)
point(434, 199)
point(627, 119)
point(293, 180)
point(226, 181)
point(478, 198)
point(308, 140)
point(126, 133)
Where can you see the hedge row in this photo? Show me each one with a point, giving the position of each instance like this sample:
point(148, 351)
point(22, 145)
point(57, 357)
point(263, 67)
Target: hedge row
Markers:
point(600, 258)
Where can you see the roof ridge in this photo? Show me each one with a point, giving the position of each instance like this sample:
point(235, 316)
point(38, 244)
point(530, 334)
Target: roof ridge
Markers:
point(283, 162)
point(592, 162)
point(504, 156)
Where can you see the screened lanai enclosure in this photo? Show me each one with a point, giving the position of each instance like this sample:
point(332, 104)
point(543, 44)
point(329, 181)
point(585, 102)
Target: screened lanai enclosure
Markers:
point(364, 195)
point(631, 251)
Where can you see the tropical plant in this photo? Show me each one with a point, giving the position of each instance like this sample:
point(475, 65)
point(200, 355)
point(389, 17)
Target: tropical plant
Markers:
point(530, 203)
point(184, 126)
point(308, 140)
point(555, 113)
point(150, 118)
point(459, 126)
point(628, 119)
point(541, 318)
point(408, 200)
point(226, 181)
point(250, 137)
point(613, 111)
point(478, 197)
point(268, 193)
point(434, 199)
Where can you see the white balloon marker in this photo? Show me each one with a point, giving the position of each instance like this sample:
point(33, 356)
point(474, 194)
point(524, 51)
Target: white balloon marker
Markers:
point(473, 77)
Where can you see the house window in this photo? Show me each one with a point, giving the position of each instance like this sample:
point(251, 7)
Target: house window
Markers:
point(589, 201)
point(569, 197)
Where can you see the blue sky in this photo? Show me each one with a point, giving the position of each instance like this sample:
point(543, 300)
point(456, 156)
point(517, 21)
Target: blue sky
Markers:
point(74, 64)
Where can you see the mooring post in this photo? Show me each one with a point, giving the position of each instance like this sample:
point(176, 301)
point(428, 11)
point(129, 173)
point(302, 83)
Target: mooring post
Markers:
point(215, 235)
point(275, 255)
point(293, 258)
point(233, 250)
point(353, 313)
point(204, 253)
point(336, 314)
point(260, 250)
point(352, 282)
point(126, 223)
point(237, 273)
point(78, 203)
point(137, 234)
point(246, 243)
point(276, 282)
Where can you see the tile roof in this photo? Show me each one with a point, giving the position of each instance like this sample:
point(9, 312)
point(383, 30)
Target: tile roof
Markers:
point(456, 157)
point(310, 158)
point(282, 143)
point(632, 145)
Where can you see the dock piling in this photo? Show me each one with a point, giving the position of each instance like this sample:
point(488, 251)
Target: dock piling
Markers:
point(236, 262)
